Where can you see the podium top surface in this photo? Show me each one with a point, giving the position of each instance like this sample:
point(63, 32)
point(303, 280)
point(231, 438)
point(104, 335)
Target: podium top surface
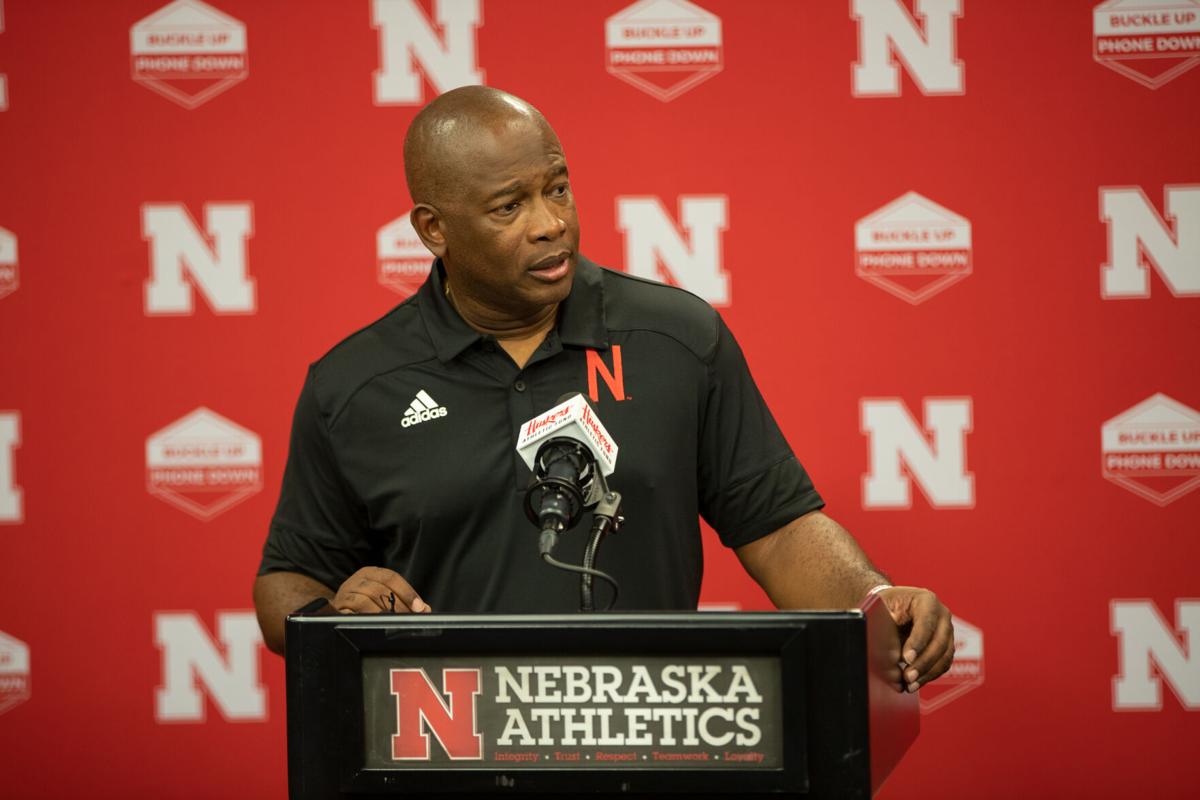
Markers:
point(622, 619)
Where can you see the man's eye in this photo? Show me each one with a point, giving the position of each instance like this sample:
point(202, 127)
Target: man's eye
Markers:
point(509, 208)
point(560, 190)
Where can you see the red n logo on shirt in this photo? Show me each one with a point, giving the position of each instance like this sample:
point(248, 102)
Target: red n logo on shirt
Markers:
point(615, 379)
point(420, 705)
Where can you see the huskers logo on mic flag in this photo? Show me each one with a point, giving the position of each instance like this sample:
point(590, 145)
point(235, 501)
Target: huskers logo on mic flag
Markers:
point(572, 419)
point(189, 52)
point(204, 464)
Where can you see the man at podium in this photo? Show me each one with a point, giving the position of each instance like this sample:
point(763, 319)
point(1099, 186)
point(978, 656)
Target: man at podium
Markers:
point(402, 489)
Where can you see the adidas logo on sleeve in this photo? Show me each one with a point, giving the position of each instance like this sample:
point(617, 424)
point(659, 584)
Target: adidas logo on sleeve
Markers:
point(422, 409)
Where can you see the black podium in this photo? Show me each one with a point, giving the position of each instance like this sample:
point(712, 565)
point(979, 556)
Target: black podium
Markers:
point(707, 704)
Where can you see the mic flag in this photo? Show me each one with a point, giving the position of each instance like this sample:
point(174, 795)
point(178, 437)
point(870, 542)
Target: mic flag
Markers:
point(573, 419)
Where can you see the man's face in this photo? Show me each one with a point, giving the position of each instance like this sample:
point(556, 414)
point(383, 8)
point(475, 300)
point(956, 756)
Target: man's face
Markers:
point(511, 231)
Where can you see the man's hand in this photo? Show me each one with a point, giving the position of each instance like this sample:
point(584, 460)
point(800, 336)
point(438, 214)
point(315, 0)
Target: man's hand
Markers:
point(375, 589)
point(929, 649)
point(369, 590)
point(813, 562)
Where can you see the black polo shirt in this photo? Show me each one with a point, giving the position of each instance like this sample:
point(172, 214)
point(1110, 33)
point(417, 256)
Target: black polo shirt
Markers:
point(403, 451)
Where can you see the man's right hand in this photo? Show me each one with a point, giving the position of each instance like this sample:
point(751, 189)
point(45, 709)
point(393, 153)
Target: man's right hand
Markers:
point(375, 589)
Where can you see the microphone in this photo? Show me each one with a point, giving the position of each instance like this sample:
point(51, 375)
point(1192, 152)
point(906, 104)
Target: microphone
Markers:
point(564, 447)
point(570, 454)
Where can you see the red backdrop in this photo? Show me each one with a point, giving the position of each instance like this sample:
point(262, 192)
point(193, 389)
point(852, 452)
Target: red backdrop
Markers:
point(959, 242)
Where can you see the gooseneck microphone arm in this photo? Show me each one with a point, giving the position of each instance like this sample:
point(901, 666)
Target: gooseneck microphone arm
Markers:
point(605, 519)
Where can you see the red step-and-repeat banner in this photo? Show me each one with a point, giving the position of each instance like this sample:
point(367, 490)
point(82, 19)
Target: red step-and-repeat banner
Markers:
point(959, 241)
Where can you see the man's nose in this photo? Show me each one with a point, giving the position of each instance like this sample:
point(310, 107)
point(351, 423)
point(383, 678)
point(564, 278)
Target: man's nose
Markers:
point(547, 224)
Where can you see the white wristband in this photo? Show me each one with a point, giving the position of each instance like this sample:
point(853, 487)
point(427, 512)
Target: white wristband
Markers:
point(876, 590)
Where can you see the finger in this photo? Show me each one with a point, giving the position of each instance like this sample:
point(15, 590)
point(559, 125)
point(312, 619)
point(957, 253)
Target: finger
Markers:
point(406, 595)
point(941, 642)
point(938, 669)
point(351, 595)
point(924, 626)
point(380, 601)
point(356, 602)
point(367, 594)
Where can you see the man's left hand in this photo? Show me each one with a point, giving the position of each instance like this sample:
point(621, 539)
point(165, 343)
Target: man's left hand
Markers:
point(929, 649)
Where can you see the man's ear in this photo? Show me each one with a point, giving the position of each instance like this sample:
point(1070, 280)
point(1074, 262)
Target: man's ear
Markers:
point(427, 222)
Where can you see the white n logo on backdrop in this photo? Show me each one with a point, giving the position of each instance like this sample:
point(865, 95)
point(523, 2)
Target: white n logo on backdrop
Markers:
point(900, 449)
point(1135, 229)
point(11, 496)
point(1144, 636)
point(687, 254)
point(885, 26)
point(215, 258)
point(407, 38)
point(193, 663)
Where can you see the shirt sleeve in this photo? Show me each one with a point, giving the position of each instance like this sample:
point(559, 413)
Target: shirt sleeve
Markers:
point(750, 481)
point(320, 527)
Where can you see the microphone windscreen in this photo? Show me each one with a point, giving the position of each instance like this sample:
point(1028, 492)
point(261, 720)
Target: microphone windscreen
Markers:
point(571, 419)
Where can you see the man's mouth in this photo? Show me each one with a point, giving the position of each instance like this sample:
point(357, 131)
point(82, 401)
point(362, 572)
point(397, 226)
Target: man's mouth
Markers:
point(552, 268)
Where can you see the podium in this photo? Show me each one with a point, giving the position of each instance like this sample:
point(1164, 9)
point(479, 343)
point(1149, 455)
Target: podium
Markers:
point(704, 704)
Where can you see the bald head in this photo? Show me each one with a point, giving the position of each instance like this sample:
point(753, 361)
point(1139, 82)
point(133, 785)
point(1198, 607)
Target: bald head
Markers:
point(441, 138)
point(493, 202)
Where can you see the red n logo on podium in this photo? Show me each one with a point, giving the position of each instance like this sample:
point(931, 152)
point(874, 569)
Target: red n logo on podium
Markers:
point(420, 705)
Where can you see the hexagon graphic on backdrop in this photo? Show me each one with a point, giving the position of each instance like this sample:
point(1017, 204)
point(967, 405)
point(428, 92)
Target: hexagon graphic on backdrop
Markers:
point(15, 687)
point(10, 276)
point(965, 674)
point(913, 248)
point(203, 464)
point(1149, 41)
point(663, 47)
point(189, 52)
point(1153, 449)
point(403, 261)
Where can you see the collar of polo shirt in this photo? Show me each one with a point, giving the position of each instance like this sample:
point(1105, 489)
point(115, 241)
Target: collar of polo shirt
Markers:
point(581, 318)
